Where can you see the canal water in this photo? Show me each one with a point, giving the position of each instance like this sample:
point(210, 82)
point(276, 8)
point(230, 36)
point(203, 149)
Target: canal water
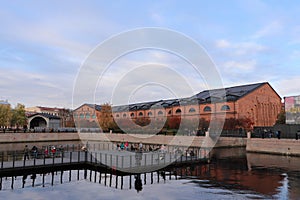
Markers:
point(231, 174)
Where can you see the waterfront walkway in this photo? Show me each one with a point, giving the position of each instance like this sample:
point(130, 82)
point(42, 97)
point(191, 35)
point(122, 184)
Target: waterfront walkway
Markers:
point(123, 161)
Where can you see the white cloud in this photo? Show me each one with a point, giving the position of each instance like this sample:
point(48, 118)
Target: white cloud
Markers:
point(288, 86)
point(222, 44)
point(270, 29)
point(240, 48)
point(239, 66)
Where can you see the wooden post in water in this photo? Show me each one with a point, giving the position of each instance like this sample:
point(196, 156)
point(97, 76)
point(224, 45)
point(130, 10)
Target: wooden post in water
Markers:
point(110, 179)
point(52, 180)
point(130, 181)
point(43, 180)
point(12, 182)
point(61, 176)
point(70, 175)
point(122, 182)
point(117, 178)
point(151, 177)
point(100, 176)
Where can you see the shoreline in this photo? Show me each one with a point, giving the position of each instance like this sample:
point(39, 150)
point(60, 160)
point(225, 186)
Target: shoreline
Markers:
point(288, 147)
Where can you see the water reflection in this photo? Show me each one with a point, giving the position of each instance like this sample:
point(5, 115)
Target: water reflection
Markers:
point(251, 175)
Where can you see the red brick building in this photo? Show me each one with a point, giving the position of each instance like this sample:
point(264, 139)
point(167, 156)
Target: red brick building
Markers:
point(257, 102)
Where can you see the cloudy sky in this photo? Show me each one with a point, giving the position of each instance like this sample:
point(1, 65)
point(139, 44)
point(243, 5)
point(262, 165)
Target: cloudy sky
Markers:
point(44, 46)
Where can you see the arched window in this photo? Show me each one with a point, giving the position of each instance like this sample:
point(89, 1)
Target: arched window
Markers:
point(87, 115)
point(132, 115)
point(140, 114)
point(94, 116)
point(117, 115)
point(150, 113)
point(225, 107)
point(207, 109)
point(81, 116)
point(192, 110)
point(75, 115)
point(170, 112)
point(124, 115)
point(160, 112)
point(178, 111)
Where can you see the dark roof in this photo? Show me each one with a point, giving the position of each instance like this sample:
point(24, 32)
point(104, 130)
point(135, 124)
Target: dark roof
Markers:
point(227, 94)
point(46, 115)
point(206, 96)
point(93, 106)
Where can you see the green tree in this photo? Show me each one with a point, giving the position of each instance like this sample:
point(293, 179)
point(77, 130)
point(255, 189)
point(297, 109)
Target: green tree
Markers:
point(5, 115)
point(18, 116)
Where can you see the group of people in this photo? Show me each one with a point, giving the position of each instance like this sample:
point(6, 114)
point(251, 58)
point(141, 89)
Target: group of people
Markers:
point(34, 152)
point(30, 152)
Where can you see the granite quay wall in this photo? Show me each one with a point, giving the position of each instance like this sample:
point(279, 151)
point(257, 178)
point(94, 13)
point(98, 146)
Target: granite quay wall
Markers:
point(199, 141)
point(37, 137)
point(274, 146)
point(193, 141)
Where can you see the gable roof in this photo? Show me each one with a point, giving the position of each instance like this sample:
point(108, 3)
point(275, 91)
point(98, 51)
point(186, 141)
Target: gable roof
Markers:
point(227, 94)
point(207, 96)
point(93, 106)
point(218, 95)
point(46, 115)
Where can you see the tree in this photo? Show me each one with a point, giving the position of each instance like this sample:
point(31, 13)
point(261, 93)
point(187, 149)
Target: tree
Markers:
point(5, 115)
point(105, 118)
point(18, 116)
point(281, 118)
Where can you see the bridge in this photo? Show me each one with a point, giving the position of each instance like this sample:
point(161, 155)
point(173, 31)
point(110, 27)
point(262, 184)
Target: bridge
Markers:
point(123, 162)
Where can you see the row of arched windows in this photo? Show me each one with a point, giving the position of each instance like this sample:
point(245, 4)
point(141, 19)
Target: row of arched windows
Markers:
point(85, 116)
point(178, 111)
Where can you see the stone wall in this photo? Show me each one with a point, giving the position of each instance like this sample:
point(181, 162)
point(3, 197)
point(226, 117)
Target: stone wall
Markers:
point(274, 146)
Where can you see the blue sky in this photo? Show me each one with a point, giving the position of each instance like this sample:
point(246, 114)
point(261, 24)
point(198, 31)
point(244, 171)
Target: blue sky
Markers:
point(44, 43)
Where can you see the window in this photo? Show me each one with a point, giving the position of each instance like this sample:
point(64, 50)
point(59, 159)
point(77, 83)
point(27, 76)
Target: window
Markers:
point(132, 115)
point(140, 114)
point(225, 107)
point(160, 112)
point(124, 115)
point(150, 113)
point(192, 110)
point(117, 115)
point(207, 109)
point(87, 115)
point(81, 116)
point(178, 111)
point(75, 115)
point(170, 112)
point(94, 116)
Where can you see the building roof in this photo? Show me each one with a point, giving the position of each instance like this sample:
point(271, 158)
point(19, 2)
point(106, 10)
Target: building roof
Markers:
point(93, 106)
point(46, 115)
point(227, 94)
point(206, 96)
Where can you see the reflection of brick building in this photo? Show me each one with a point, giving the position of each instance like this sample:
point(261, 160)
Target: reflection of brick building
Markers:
point(65, 115)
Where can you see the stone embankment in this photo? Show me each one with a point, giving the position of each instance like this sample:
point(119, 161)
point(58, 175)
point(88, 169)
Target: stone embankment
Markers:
point(274, 146)
point(258, 145)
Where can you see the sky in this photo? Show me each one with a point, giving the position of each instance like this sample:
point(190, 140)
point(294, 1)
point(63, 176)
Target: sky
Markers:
point(45, 46)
